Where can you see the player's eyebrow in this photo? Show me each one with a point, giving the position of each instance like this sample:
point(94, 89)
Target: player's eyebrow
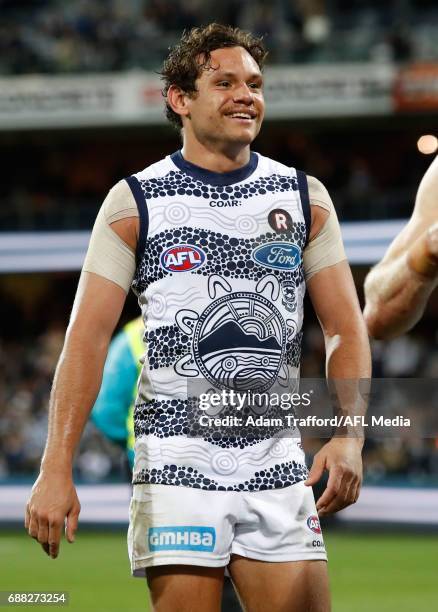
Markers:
point(229, 74)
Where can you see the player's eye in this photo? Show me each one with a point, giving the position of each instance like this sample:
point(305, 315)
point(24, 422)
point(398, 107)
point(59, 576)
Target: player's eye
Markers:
point(255, 85)
point(224, 83)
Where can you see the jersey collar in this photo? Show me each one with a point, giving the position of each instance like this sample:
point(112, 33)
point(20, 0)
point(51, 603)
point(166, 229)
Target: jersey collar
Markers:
point(215, 178)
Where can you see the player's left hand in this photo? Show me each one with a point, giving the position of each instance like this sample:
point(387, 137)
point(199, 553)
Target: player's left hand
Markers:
point(342, 457)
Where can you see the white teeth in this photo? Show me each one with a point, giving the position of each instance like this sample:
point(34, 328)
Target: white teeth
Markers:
point(241, 116)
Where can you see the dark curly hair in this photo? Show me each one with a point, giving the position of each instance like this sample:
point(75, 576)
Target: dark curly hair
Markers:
point(191, 55)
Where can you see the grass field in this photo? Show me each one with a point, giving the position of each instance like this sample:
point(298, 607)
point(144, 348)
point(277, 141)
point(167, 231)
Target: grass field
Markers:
point(369, 571)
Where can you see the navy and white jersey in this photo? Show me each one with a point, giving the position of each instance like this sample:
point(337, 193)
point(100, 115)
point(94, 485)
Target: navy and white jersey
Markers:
point(220, 283)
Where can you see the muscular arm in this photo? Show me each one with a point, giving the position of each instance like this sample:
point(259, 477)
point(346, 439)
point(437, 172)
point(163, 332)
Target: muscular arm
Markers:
point(335, 301)
point(95, 313)
point(398, 288)
point(78, 376)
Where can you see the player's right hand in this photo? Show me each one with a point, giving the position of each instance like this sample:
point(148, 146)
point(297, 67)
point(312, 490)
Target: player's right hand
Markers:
point(53, 502)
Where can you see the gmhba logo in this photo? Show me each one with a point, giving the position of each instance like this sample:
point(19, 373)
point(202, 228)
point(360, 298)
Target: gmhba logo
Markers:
point(186, 537)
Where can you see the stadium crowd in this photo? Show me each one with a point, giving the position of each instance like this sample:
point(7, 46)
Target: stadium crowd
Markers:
point(27, 367)
point(63, 186)
point(54, 36)
point(27, 370)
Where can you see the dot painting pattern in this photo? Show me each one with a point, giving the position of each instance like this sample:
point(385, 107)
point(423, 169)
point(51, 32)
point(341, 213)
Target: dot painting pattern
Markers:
point(165, 346)
point(168, 343)
point(166, 419)
point(227, 256)
point(277, 477)
point(293, 351)
point(177, 183)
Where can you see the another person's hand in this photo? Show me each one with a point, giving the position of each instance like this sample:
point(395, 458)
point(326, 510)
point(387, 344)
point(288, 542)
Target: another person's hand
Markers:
point(53, 502)
point(342, 457)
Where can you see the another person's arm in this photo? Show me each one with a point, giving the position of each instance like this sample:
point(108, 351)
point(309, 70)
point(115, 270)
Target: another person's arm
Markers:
point(398, 288)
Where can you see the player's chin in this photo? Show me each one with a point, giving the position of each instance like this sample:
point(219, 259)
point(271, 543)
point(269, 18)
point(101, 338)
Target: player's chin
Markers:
point(245, 135)
point(254, 131)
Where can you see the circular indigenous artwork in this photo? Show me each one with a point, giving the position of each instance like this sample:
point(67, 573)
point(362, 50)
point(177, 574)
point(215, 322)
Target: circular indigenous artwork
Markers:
point(239, 342)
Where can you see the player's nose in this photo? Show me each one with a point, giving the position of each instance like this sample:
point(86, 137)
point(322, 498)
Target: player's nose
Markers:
point(243, 94)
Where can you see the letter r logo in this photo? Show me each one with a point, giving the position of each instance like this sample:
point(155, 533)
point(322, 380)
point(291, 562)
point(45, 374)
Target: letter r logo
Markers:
point(280, 220)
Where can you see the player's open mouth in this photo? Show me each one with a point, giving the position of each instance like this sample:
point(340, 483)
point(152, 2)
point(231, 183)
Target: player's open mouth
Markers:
point(244, 117)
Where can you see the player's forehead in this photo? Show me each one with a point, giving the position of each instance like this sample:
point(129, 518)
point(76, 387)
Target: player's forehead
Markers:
point(231, 61)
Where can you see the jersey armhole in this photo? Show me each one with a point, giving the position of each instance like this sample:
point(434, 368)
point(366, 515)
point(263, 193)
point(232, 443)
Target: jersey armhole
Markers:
point(305, 201)
point(142, 207)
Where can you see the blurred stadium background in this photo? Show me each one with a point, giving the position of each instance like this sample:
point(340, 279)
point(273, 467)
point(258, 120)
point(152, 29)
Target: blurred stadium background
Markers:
point(351, 87)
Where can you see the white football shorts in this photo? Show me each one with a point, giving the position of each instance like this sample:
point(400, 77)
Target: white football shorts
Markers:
point(181, 525)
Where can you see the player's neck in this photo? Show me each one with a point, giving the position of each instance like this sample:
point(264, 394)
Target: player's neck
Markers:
point(213, 159)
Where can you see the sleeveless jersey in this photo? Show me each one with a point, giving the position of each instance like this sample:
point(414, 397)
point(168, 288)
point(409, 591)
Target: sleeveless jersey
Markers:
point(220, 283)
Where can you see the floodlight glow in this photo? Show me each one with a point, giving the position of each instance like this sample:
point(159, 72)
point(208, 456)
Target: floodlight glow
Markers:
point(427, 144)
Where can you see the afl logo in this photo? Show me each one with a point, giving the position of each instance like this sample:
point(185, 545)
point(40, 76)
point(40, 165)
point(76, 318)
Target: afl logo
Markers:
point(182, 258)
point(278, 255)
point(313, 524)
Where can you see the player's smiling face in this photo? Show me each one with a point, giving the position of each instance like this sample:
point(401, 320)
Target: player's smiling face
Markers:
point(228, 107)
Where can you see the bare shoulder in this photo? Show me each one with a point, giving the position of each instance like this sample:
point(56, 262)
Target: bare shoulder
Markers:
point(425, 214)
point(128, 230)
point(320, 205)
point(319, 216)
point(121, 213)
point(426, 204)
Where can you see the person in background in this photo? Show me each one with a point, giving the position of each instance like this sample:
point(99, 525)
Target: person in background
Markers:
point(113, 410)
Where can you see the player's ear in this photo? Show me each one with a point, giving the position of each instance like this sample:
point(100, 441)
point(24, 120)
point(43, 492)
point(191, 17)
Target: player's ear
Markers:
point(178, 100)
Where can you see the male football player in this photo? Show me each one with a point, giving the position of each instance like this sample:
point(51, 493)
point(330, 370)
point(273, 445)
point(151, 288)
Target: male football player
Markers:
point(219, 243)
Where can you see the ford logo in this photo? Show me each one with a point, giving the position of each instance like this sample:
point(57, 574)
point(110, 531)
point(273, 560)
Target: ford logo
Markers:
point(182, 258)
point(278, 255)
